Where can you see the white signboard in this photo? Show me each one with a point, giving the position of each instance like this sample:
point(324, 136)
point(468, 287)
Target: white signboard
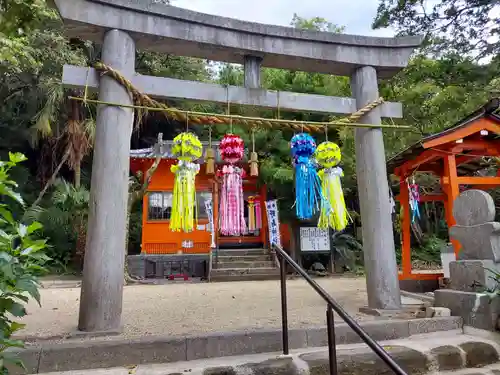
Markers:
point(273, 222)
point(314, 239)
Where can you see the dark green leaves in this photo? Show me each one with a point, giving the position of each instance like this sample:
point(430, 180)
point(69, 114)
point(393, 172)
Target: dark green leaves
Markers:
point(21, 260)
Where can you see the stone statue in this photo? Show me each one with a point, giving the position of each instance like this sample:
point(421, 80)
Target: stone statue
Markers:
point(479, 235)
point(471, 275)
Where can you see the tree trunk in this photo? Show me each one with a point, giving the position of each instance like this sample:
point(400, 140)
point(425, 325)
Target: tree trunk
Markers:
point(51, 180)
point(78, 174)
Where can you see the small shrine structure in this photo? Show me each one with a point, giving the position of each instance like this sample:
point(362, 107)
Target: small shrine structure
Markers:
point(160, 244)
point(455, 155)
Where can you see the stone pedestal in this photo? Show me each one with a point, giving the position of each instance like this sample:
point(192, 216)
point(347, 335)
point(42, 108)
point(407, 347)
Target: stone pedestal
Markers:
point(476, 309)
point(474, 274)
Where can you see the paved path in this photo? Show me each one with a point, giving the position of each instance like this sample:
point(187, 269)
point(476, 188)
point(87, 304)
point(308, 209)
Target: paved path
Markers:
point(185, 309)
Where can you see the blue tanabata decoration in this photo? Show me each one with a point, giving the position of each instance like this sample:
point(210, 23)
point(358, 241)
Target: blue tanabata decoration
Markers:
point(307, 182)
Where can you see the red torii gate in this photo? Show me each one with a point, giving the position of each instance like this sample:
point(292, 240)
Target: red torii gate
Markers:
point(453, 155)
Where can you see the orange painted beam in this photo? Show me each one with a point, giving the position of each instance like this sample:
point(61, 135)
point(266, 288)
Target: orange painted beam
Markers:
point(451, 188)
point(405, 227)
point(425, 157)
point(432, 198)
point(475, 180)
point(421, 276)
point(477, 145)
point(472, 128)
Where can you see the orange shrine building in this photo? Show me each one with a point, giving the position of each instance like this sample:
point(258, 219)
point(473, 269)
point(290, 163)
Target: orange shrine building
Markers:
point(188, 253)
point(455, 156)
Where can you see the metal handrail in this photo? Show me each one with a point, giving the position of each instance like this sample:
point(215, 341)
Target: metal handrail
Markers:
point(332, 305)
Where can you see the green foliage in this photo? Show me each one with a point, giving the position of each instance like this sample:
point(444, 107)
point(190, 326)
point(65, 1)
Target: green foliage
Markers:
point(349, 249)
point(65, 221)
point(21, 261)
point(450, 26)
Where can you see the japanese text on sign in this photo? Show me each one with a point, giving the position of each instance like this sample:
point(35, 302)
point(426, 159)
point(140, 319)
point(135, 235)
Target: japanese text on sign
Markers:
point(314, 239)
point(273, 222)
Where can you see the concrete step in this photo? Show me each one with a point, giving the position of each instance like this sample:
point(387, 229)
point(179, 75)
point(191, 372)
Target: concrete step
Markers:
point(242, 258)
point(245, 271)
point(434, 352)
point(239, 264)
point(244, 277)
point(242, 252)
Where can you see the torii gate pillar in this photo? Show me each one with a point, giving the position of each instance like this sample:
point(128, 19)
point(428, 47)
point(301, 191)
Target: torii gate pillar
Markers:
point(103, 278)
point(378, 241)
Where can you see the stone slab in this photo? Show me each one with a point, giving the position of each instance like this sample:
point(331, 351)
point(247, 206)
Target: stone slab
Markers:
point(99, 354)
point(229, 344)
point(30, 357)
point(472, 275)
point(181, 32)
point(114, 352)
point(365, 361)
point(438, 324)
point(432, 353)
point(476, 309)
point(378, 330)
point(168, 88)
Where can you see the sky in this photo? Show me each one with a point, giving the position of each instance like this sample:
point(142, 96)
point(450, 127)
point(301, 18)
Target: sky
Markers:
point(356, 15)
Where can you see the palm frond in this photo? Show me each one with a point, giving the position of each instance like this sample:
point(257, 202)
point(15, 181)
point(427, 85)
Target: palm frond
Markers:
point(77, 142)
point(44, 119)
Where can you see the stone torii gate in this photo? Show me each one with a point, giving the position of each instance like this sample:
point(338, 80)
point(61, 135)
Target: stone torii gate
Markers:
point(124, 25)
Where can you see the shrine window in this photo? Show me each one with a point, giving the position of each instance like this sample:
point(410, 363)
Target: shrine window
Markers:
point(160, 204)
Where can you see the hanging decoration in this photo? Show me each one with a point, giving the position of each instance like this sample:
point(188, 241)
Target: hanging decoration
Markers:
point(209, 155)
point(187, 148)
point(414, 200)
point(254, 214)
point(307, 183)
point(273, 222)
point(333, 209)
point(210, 214)
point(258, 213)
point(392, 202)
point(254, 158)
point(252, 225)
point(231, 219)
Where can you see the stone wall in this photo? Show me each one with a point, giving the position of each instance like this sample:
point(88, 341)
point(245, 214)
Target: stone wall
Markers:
point(198, 263)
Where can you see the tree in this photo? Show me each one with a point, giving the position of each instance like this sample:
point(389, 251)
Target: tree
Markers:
point(469, 27)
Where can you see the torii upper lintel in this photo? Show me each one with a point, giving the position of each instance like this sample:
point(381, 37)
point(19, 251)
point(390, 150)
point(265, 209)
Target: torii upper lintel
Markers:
point(168, 29)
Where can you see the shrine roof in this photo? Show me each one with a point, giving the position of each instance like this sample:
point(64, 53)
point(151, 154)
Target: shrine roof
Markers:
point(489, 111)
point(150, 152)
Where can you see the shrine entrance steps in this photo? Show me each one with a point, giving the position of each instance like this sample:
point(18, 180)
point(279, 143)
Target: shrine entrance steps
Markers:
point(243, 265)
point(456, 352)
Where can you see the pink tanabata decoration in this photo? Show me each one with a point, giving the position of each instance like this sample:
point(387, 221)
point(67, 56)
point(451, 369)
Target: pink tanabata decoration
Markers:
point(258, 213)
point(231, 211)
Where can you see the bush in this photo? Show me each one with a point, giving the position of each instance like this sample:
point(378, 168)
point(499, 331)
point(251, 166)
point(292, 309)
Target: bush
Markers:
point(21, 261)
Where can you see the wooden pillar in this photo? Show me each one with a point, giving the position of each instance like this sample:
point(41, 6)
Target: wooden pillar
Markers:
point(451, 189)
point(103, 272)
point(404, 200)
point(378, 241)
point(264, 231)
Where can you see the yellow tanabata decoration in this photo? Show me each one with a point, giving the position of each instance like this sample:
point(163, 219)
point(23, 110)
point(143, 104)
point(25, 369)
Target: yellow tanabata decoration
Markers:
point(333, 210)
point(187, 148)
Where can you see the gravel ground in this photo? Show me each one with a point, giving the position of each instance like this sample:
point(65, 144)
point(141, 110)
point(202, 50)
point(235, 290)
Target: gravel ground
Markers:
point(187, 309)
